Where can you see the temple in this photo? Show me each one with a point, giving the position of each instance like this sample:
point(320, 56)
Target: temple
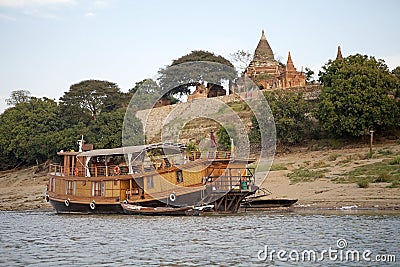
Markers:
point(212, 90)
point(339, 53)
point(268, 73)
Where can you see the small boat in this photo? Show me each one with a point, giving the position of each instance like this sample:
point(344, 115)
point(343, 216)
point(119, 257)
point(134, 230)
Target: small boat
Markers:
point(159, 211)
point(258, 201)
point(267, 203)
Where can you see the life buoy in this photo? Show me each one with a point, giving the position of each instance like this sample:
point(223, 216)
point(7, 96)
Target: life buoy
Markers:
point(172, 197)
point(92, 205)
point(76, 171)
point(117, 170)
point(66, 202)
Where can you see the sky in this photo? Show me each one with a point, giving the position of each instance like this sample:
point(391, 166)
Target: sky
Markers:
point(48, 45)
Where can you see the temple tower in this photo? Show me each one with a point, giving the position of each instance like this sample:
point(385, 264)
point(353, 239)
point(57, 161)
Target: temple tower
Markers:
point(268, 73)
point(263, 69)
point(339, 53)
point(291, 77)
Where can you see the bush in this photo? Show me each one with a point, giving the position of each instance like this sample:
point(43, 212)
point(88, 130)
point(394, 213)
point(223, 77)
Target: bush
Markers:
point(289, 110)
point(363, 183)
point(395, 161)
point(278, 167)
point(333, 157)
point(305, 175)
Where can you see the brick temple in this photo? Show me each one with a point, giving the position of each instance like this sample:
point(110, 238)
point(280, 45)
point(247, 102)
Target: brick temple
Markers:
point(268, 73)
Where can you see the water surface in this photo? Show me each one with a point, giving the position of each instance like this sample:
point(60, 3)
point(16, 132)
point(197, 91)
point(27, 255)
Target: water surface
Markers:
point(46, 239)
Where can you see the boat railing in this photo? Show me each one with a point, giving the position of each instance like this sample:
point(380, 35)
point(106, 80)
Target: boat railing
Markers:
point(92, 171)
point(218, 154)
point(56, 169)
point(239, 179)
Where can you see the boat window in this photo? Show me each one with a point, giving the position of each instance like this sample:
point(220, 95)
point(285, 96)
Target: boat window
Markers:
point(98, 189)
point(103, 188)
point(179, 177)
point(150, 182)
point(52, 185)
point(70, 187)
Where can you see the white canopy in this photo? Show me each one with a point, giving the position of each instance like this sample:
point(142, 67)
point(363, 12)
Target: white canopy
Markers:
point(167, 147)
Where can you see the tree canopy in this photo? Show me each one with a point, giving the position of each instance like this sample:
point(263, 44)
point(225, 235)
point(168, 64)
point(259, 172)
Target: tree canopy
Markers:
point(192, 69)
point(200, 55)
point(309, 76)
point(92, 97)
point(356, 96)
point(242, 59)
point(18, 96)
point(396, 72)
point(33, 130)
point(290, 115)
point(28, 132)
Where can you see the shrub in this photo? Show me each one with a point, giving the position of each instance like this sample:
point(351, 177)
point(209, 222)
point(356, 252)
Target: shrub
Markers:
point(333, 157)
point(395, 161)
point(278, 167)
point(363, 183)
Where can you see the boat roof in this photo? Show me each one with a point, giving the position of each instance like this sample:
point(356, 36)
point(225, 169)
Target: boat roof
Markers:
point(168, 148)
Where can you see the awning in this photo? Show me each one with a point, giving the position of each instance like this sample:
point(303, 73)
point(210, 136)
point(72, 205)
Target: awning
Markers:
point(169, 148)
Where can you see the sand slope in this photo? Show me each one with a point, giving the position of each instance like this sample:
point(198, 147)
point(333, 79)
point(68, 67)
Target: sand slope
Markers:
point(325, 192)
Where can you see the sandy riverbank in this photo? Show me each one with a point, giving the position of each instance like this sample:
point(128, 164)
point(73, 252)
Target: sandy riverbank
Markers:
point(23, 189)
point(326, 192)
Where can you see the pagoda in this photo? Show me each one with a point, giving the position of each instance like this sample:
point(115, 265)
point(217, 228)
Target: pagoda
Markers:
point(268, 73)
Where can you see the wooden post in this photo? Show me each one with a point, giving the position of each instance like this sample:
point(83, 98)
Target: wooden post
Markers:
point(371, 141)
point(230, 179)
point(130, 188)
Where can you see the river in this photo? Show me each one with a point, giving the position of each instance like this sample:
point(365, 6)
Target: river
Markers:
point(246, 239)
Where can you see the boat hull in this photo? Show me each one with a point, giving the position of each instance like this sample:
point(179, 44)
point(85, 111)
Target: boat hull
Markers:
point(85, 208)
point(159, 211)
point(267, 203)
point(222, 201)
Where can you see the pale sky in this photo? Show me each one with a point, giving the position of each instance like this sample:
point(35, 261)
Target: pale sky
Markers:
point(48, 45)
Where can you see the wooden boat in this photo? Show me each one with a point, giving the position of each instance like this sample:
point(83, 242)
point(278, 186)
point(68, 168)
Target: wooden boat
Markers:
point(267, 203)
point(259, 201)
point(156, 175)
point(159, 211)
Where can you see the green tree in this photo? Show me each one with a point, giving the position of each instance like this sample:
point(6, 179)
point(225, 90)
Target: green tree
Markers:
point(193, 69)
point(396, 72)
point(145, 94)
point(255, 134)
point(225, 134)
point(290, 111)
point(91, 97)
point(224, 140)
point(355, 96)
point(106, 131)
point(291, 119)
point(309, 76)
point(28, 133)
point(18, 96)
